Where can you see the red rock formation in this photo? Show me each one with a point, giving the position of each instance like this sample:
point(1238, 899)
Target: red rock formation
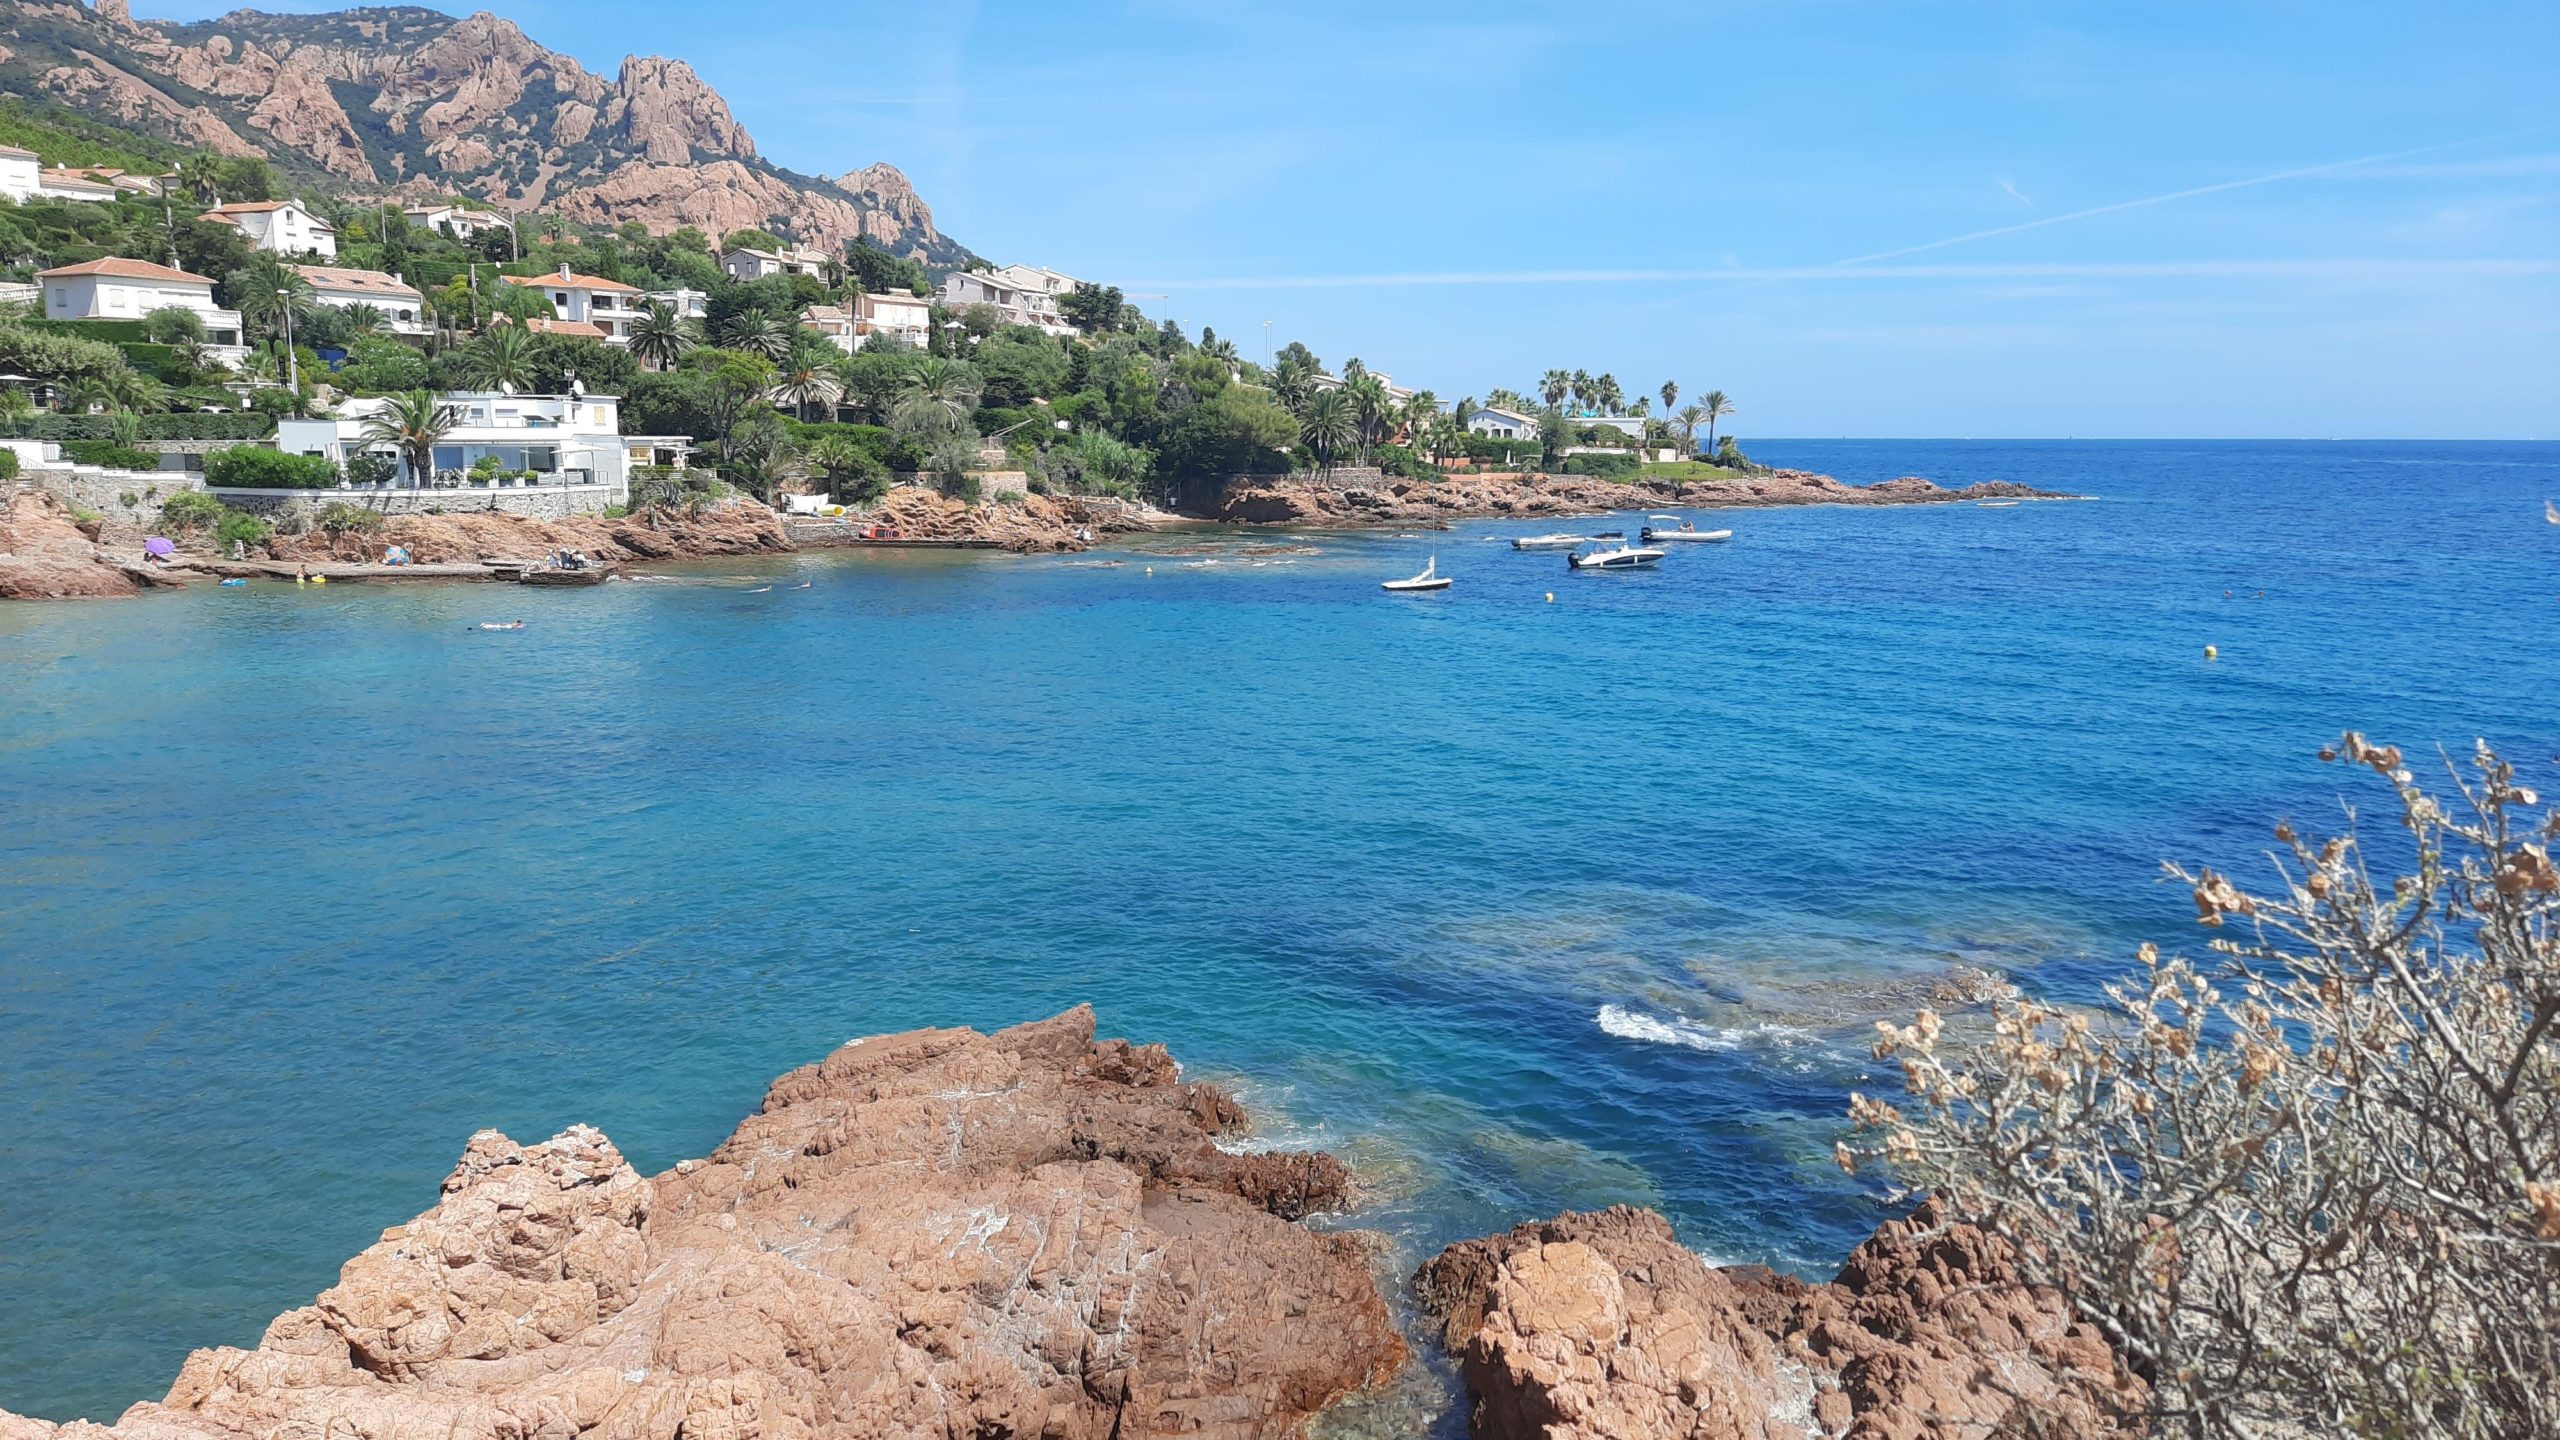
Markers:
point(740, 527)
point(45, 556)
point(939, 1234)
point(1605, 1325)
point(1394, 500)
point(424, 104)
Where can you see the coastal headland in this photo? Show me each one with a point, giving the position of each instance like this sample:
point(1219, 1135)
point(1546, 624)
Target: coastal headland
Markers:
point(50, 552)
point(1038, 1233)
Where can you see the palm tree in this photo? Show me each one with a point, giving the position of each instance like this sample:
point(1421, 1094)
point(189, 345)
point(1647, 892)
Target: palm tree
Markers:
point(502, 358)
point(756, 333)
point(1714, 407)
point(1217, 347)
point(413, 424)
point(1420, 414)
point(1371, 409)
point(365, 318)
point(1690, 417)
point(1327, 426)
point(808, 376)
point(936, 397)
point(1606, 394)
point(1292, 382)
point(1670, 396)
point(200, 175)
point(271, 290)
point(660, 337)
point(1554, 387)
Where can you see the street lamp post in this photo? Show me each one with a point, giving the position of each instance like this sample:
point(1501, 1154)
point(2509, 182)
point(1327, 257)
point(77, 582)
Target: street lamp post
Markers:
point(292, 372)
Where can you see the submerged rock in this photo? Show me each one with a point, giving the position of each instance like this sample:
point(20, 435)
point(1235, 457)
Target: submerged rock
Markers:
point(1603, 1324)
point(939, 1233)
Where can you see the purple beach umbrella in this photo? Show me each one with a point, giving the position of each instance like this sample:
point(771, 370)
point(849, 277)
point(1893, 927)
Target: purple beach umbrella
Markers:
point(159, 545)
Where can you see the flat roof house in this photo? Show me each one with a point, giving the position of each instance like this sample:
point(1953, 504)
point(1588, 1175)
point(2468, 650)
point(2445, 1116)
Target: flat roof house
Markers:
point(569, 442)
point(21, 173)
point(456, 221)
point(1037, 278)
point(608, 305)
point(1016, 304)
point(281, 226)
point(398, 300)
point(72, 185)
point(118, 289)
point(744, 264)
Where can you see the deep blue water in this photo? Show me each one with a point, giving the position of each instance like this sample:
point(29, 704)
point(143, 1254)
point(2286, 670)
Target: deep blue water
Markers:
point(298, 888)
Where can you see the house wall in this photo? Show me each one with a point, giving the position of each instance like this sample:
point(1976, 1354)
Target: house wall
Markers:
point(551, 502)
point(19, 176)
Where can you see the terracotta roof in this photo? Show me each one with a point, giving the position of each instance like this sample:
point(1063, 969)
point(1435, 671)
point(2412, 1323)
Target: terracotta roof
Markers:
point(572, 281)
point(540, 326)
point(122, 269)
point(371, 282)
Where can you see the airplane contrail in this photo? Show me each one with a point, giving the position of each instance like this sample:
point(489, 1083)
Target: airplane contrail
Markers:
point(2188, 194)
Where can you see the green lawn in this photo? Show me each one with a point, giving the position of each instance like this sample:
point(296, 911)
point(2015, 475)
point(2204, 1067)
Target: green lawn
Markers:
point(1688, 471)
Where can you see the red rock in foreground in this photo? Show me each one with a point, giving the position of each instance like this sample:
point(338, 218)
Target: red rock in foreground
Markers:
point(44, 555)
point(1604, 1325)
point(938, 1233)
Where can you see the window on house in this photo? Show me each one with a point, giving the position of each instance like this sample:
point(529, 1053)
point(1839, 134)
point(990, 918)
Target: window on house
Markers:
point(560, 298)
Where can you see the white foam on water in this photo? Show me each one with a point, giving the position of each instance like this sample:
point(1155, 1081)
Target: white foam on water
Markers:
point(1636, 1025)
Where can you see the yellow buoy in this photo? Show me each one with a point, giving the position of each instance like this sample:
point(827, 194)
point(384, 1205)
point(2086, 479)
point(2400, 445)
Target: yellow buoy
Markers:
point(1551, 597)
point(2210, 653)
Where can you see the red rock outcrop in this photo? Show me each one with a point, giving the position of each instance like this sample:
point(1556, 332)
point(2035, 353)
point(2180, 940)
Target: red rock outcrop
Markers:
point(45, 556)
point(940, 1233)
point(1394, 500)
point(739, 527)
point(424, 104)
point(1604, 1325)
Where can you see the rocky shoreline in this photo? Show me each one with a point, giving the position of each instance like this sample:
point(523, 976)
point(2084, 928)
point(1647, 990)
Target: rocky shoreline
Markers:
point(1397, 501)
point(1038, 1233)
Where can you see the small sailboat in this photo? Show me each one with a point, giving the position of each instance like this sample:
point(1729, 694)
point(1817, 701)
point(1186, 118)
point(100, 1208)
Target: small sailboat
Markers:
point(1429, 579)
point(1558, 541)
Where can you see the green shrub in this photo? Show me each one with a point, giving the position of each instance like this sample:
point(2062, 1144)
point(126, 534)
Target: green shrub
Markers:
point(256, 467)
point(1616, 464)
point(617, 512)
point(239, 527)
point(190, 510)
point(178, 425)
point(367, 467)
point(8, 464)
point(340, 518)
point(111, 455)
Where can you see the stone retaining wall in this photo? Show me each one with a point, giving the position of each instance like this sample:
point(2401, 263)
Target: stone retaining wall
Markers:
point(87, 487)
point(550, 502)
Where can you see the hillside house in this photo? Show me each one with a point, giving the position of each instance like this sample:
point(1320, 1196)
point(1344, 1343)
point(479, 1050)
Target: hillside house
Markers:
point(281, 226)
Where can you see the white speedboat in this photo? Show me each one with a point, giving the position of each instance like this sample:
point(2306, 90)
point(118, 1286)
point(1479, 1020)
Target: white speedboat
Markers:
point(1685, 535)
point(1429, 579)
point(1549, 542)
point(1612, 552)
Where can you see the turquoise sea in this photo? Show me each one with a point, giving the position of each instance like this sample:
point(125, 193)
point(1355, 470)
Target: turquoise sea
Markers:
point(1519, 905)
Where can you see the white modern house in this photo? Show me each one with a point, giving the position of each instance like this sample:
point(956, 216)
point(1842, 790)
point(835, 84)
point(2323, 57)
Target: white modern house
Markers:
point(456, 221)
point(1631, 426)
point(399, 301)
point(21, 173)
point(892, 318)
point(73, 185)
point(608, 305)
point(688, 304)
point(120, 289)
point(571, 443)
point(1501, 424)
point(1396, 394)
point(1016, 304)
point(1038, 280)
point(745, 264)
point(281, 226)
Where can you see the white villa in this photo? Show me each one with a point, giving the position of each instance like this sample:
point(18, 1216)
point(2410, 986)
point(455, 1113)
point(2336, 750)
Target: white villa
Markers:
point(119, 289)
point(585, 300)
point(1631, 426)
point(21, 173)
point(1036, 278)
point(899, 318)
point(1396, 393)
point(73, 185)
point(570, 442)
point(456, 221)
point(282, 226)
point(1017, 304)
point(398, 300)
point(834, 324)
point(688, 304)
point(1503, 424)
point(743, 264)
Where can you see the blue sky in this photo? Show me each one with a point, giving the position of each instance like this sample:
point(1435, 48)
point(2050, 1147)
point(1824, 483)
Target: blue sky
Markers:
point(1464, 195)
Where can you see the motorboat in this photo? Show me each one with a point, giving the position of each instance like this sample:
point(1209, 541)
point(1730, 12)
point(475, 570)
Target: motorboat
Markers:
point(501, 624)
point(1549, 542)
point(1429, 579)
point(1612, 552)
point(1687, 534)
